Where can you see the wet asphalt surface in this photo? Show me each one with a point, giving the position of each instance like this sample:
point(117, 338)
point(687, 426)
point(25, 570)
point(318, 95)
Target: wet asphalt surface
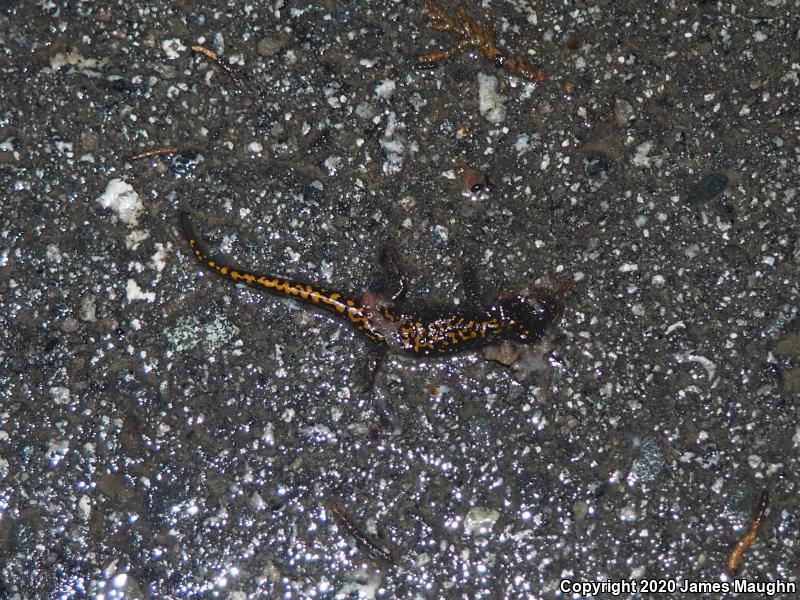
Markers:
point(164, 433)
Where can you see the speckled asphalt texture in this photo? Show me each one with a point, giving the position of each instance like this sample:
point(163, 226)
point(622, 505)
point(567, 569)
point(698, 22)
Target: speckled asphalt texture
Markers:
point(166, 434)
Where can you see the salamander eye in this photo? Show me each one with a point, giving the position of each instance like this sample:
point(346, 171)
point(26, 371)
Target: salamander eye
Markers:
point(500, 60)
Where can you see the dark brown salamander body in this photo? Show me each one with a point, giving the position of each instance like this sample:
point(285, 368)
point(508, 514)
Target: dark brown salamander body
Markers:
point(512, 317)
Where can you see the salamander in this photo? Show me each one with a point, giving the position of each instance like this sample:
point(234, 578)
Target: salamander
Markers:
point(511, 317)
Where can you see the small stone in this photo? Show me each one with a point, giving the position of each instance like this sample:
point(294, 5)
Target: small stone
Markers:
point(623, 112)
point(708, 188)
point(270, 45)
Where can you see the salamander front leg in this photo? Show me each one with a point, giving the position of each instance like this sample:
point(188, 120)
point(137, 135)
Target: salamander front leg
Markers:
point(390, 283)
point(372, 368)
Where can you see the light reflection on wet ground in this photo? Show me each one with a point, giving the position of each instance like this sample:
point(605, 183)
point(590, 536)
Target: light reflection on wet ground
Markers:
point(165, 434)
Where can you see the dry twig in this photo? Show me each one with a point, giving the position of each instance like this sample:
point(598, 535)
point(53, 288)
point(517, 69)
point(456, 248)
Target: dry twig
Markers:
point(473, 35)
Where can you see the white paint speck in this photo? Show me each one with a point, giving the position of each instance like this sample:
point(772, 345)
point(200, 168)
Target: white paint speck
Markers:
point(60, 395)
point(640, 159)
point(692, 251)
point(134, 238)
point(158, 260)
point(522, 145)
point(394, 146)
point(134, 292)
point(173, 48)
point(64, 148)
point(293, 255)
point(53, 253)
point(88, 308)
point(479, 521)
point(85, 507)
point(490, 103)
point(332, 164)
point(74, 59)
point(123, 200)
point(545, 162)
point(385, 89)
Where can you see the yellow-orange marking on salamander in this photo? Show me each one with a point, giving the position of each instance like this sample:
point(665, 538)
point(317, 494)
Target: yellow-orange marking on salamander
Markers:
point(467, 334)
point(305, 291)
point(267, 282)
point(334, 299)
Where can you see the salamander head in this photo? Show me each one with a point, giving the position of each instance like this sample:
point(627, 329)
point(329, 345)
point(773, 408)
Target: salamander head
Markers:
point(526, 318)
